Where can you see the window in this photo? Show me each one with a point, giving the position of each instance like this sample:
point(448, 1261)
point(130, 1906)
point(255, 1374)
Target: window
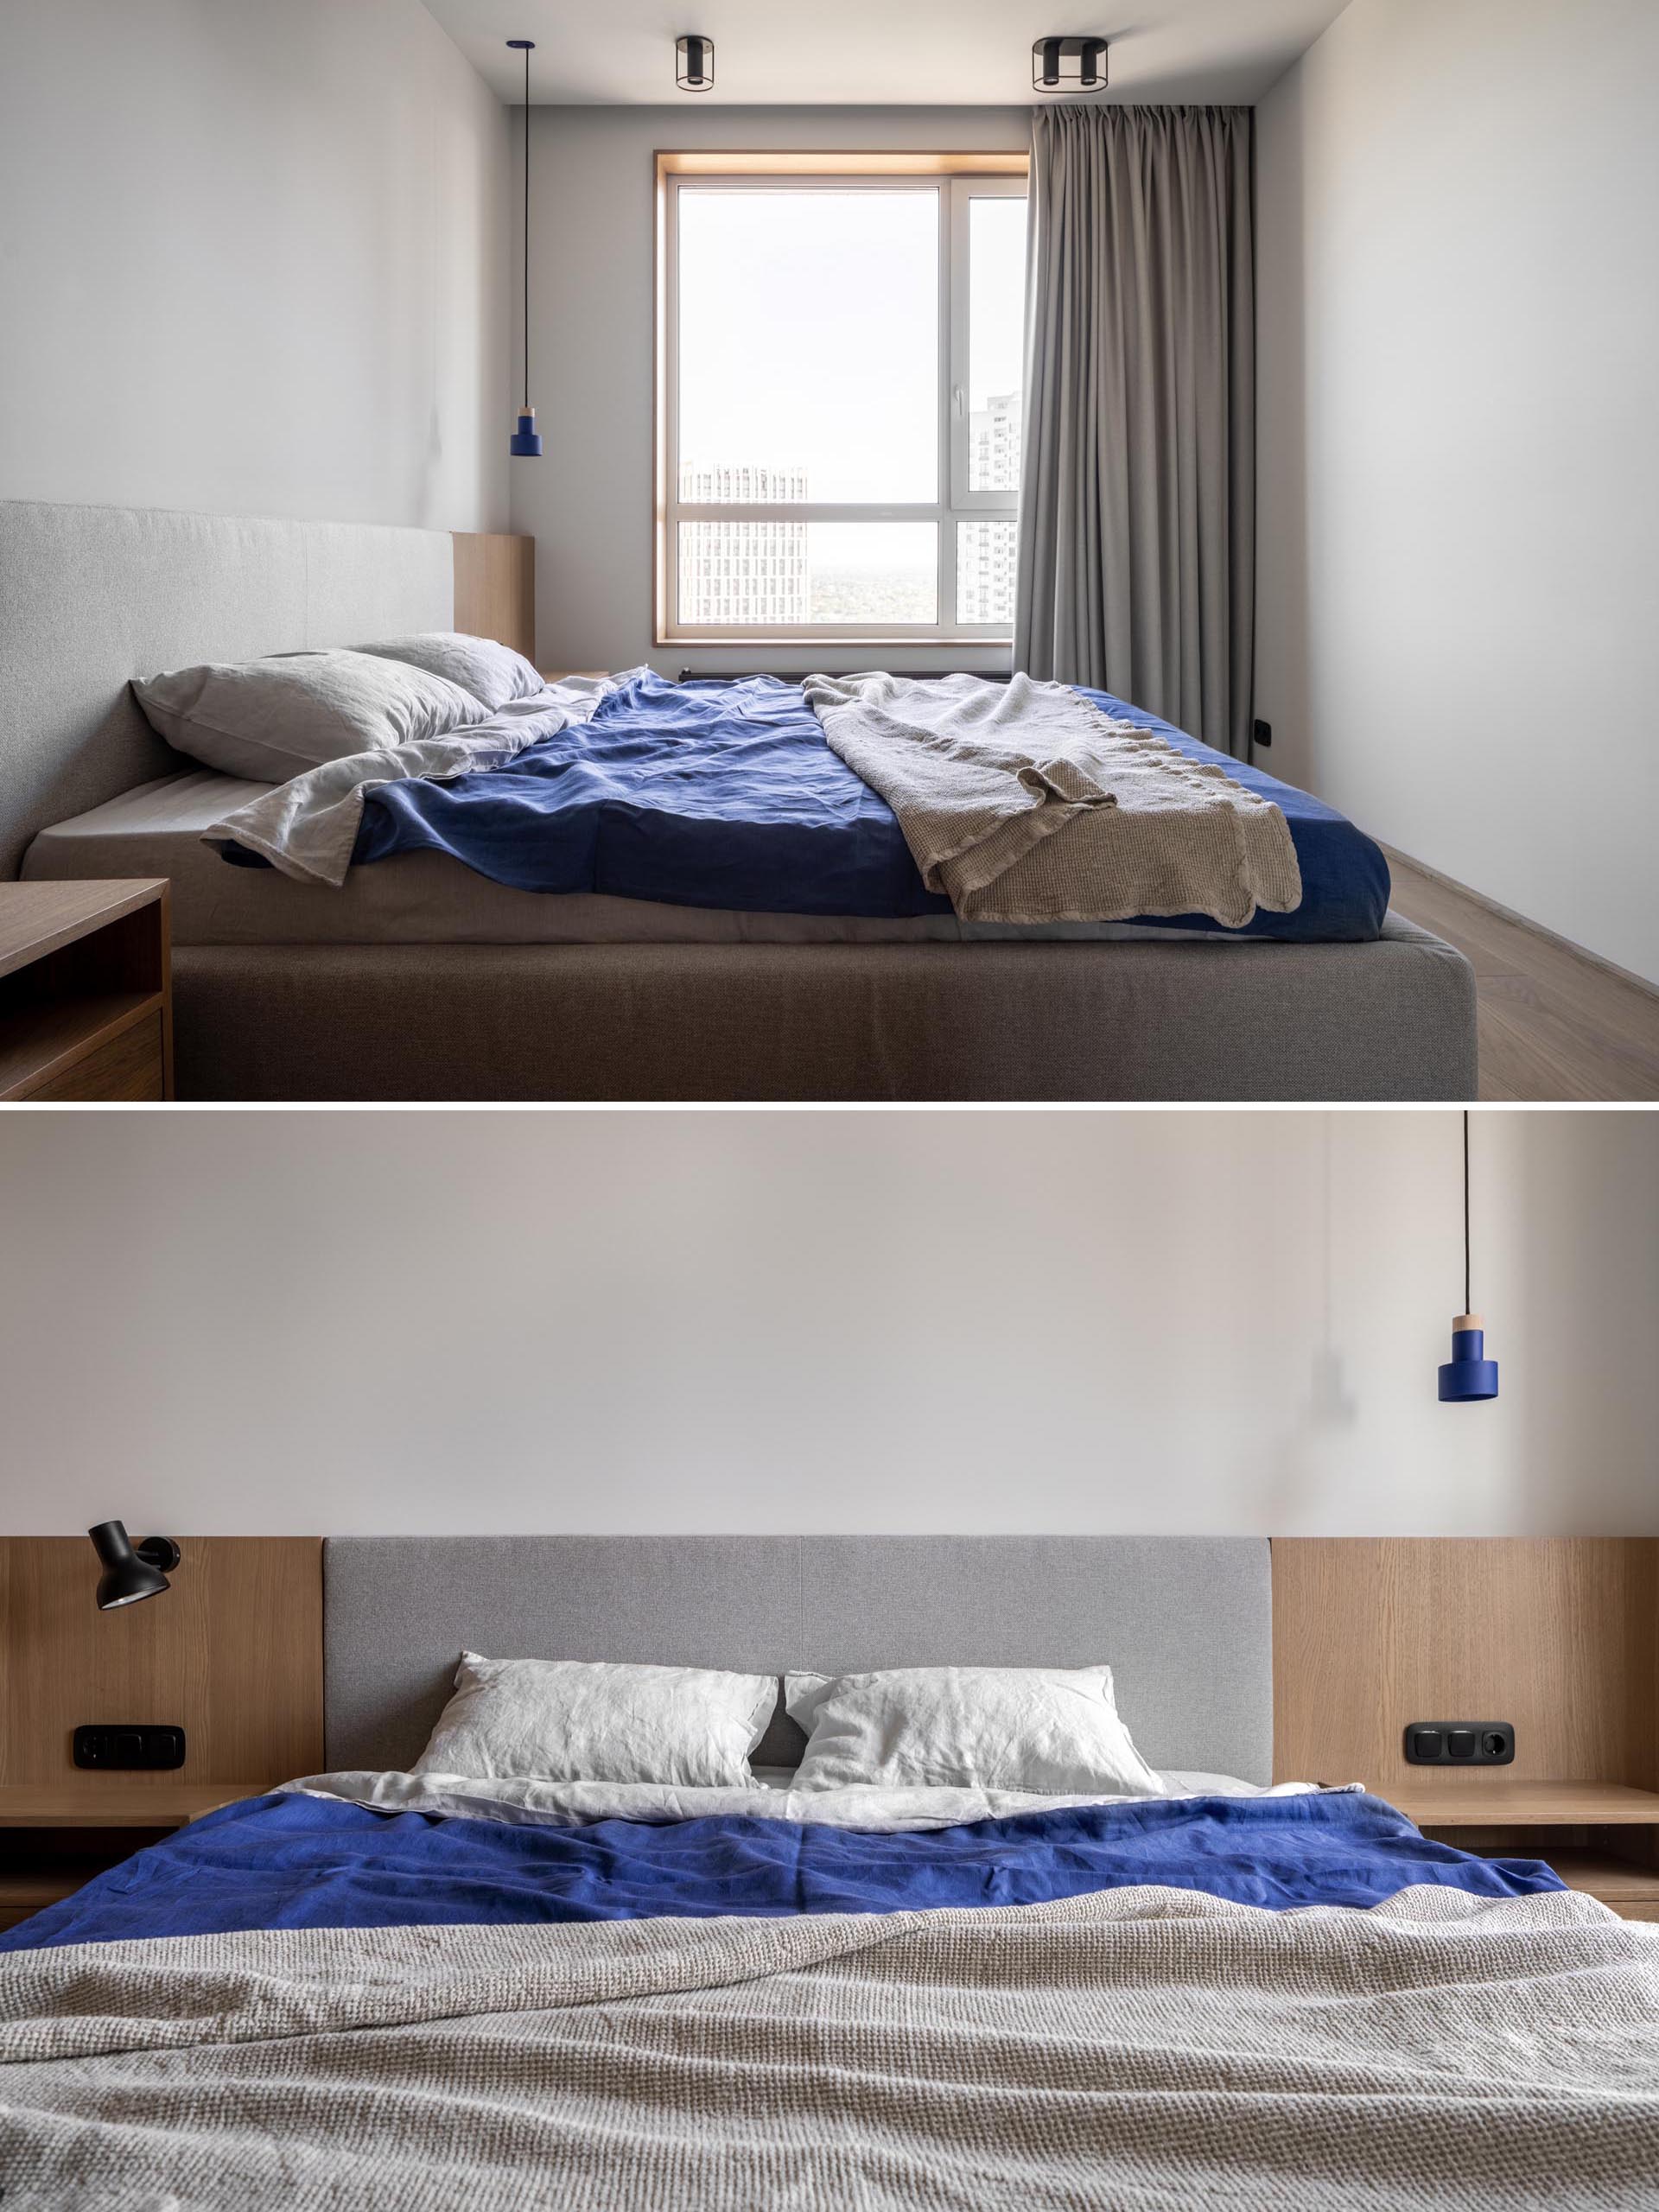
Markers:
point(838, 401)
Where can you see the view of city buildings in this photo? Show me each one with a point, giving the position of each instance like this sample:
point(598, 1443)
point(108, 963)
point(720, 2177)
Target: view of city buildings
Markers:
point(994, 444)
point(985, 550)
point(985, 564)
point(738, 573)
point(743, 572)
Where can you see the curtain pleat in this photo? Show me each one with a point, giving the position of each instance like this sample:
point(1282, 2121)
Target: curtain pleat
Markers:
point(1136, 533)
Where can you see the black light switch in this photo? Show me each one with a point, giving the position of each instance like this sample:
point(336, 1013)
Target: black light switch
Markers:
point(1462, 1743)
point(124, 1747)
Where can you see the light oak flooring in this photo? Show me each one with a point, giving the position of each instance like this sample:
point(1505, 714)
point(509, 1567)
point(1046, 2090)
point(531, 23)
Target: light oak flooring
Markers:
point(1554, 1024)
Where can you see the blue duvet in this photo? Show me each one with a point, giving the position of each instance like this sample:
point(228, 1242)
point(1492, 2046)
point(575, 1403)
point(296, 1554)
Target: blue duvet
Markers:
point(723, 793)
point(293, 1861)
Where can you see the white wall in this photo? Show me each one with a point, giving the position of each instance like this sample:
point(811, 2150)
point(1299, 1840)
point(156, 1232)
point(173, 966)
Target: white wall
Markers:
point(284, 1322)
point(589, 500)
point(1458, 219)
point(253, 259)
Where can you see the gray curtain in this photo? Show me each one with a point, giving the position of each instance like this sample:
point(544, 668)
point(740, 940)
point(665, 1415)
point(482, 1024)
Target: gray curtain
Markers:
point(1136, 559)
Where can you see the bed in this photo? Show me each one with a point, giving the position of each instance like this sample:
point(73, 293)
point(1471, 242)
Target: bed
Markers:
point(423, 980)
point(743, 2008)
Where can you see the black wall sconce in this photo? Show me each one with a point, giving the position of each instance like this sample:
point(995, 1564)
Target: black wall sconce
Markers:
point(130, 1571)
point(1068, 65)
point(694, 63)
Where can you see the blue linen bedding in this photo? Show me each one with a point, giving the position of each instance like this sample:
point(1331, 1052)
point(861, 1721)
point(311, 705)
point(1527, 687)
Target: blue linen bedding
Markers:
point(289, 1860)
point(722, 793)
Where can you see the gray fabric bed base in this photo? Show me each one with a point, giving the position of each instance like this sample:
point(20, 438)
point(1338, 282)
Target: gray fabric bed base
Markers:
point(1184, 1622)
point(1394, 1019)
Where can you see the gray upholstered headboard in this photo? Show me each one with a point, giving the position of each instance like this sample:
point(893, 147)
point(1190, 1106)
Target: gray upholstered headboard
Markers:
point(90, 596)
point(1186, 1622)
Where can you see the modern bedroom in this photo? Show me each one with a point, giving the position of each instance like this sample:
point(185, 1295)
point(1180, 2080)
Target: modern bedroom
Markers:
point(912, 555)
point(714, 1660)
point(828, 1036)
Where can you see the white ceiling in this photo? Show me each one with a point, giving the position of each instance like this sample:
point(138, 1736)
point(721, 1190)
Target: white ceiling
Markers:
point(878, 52)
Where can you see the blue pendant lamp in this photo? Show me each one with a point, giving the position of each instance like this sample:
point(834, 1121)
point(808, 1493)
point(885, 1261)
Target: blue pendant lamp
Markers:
point(527, 440)
point(1468, 1375)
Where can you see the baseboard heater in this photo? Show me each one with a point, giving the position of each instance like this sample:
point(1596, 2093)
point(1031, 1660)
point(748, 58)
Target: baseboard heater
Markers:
point(800, 675)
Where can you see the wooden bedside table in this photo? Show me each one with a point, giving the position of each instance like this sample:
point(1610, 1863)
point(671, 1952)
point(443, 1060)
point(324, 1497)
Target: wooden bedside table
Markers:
point(86, 991)
point(53, 1837)
point(1600, 1837)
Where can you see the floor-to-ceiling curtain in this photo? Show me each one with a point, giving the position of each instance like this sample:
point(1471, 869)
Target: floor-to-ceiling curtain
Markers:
point(1137, 510)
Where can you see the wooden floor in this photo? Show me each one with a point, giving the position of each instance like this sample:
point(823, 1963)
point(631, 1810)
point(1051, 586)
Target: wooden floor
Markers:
point(1554, 1024)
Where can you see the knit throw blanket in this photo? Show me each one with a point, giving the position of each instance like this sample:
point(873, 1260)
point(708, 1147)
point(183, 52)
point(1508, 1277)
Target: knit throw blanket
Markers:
point(1023, 802)
point(1134, 2049)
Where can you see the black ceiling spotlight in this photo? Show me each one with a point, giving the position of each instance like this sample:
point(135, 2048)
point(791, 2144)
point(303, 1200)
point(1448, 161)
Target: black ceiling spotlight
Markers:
point(130, 1571)
point(1068, 65)
point(694, 63)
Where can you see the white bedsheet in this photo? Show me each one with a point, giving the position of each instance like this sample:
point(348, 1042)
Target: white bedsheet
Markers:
point(308, 827)
point(874, 1809)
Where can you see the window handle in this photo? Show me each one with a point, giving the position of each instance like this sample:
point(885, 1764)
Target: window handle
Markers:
point(957, 401)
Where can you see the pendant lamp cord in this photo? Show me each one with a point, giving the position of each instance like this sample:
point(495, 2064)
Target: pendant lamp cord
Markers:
point(1466, 1306)
point(527, 230)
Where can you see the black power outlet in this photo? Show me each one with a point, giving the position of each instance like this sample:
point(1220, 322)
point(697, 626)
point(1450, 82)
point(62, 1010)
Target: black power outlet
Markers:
point(115, 1744)
point(1459, 1743)
point(1261, 733)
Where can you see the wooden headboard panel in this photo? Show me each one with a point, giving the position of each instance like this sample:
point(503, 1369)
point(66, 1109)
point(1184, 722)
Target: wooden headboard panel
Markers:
point(495, 589)
point(1560, 1637)
point(233, 1653)
point(1557, 1635)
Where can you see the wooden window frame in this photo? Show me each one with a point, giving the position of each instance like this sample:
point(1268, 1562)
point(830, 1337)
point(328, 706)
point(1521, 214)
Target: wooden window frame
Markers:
point(957, 178)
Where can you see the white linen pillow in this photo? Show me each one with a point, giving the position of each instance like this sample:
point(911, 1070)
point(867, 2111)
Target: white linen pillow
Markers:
point(273, 719)
point(571, 1721)
point(1052, 1729)
point(492, 673)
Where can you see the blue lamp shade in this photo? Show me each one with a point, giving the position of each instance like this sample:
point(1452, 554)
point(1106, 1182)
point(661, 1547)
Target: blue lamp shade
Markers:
point(526, 440)
point(1468, 1374)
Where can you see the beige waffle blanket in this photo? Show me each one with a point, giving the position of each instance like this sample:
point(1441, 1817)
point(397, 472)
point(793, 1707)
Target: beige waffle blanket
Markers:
point(1023, 802)
point(1139, 2048)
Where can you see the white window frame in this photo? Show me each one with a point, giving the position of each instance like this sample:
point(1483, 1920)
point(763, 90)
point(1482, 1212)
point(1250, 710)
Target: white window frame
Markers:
point(956, 179)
